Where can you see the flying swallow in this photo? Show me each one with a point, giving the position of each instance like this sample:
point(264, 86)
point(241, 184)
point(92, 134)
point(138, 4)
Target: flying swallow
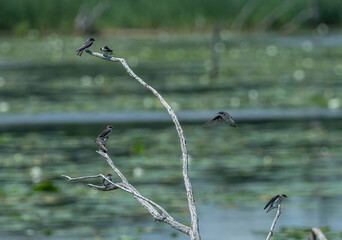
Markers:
point(85, 46)
point(106, 50)
point(274, 202)
point(101, 143)
point(105, 182)
point(105, 133)
point(221, 117)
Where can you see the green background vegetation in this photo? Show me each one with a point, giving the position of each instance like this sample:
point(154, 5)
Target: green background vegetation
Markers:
point(21, 15)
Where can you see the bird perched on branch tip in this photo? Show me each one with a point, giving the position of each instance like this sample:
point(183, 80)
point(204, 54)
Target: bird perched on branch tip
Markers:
point(105, 133)
point(275, 201)
point(86, 45)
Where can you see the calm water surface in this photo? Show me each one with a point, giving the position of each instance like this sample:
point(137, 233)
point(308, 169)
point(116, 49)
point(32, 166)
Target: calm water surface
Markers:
point(234, 171)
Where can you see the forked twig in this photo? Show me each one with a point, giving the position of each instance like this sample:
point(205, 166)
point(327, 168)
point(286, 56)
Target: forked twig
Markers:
point(148, 204)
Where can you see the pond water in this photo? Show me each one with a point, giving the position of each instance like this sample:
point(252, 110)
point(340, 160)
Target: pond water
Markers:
point(234, 171)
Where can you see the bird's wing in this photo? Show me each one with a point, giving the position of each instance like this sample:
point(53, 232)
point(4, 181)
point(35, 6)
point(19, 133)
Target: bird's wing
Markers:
point(103, 148)
point(232, 123)
point(269, 202)
point(270, 209)
point(85, 45)
point(79, 49)
point(104, 133)
point(99, 141)
point(214, 121)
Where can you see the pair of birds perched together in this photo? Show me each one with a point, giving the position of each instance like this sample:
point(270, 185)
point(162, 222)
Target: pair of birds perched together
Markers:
point(87, 44)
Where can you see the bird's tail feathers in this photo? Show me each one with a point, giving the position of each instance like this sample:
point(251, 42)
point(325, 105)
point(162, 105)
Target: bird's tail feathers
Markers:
point(233, 124)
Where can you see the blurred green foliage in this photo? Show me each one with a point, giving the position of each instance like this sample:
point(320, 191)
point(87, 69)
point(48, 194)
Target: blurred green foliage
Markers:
point(19, 16)
point(295, 233)
point(45, 186)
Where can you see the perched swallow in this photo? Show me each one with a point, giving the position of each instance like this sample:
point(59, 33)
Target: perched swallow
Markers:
point(221, 117)
point(275, 201)
point(106, 50)
point(85, 46)
point(101, 143)
point(105, 182)
point(105, 133)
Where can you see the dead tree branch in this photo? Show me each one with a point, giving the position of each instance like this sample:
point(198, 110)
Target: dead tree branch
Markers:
point(316, 234)
point(150, 206)
point(194, 231)
point(270, 234)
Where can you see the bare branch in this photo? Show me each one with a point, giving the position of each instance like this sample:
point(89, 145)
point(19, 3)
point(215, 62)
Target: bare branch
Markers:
point(270, 234)
point(317, 234)
point(194, 233)
point(148, 204)
point(80, 178)
point(111, 164)
point(103, 188)
point(145, 202)
point(123, 186)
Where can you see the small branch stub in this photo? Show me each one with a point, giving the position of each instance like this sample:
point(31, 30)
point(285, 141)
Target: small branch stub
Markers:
point(317, 234)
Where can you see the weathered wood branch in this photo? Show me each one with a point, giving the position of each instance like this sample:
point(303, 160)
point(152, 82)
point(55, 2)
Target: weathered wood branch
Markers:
point(316, 234)
point(114, 186)
point(270, 234)
point(194, 230)
point(148, 204)
point(159, 213)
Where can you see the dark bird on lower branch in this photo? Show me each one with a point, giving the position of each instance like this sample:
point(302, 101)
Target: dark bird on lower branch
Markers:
point(107, 51)
point(221, 117)
point(105, 133)
point(105, 182)
point(85, 46)
point(275, 201)
point(101, 143)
